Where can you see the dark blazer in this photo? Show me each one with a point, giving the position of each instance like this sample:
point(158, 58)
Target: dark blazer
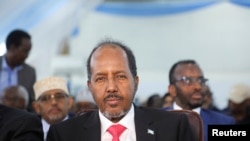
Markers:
point(166, 126)
point(26, 78)
point(210, 117)
point(17, 125)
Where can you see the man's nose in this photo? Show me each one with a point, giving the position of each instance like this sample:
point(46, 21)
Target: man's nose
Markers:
point(112, 85)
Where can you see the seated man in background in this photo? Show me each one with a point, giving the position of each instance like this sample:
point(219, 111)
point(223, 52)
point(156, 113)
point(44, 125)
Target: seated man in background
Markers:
point(52, 101)
point(154, 101)
point(15, 96)
point(84, 102)
point(188, 85)
point(167, 100)
point(208, 101)
point(18, 125)
point(239, 103)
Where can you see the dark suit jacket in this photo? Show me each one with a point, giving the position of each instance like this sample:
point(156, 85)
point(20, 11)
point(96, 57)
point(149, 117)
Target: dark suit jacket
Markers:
point(210, 117)
point(166, 126)
point(26, 78)
point(17, 125)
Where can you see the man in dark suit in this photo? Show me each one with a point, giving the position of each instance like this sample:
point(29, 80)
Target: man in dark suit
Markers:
point(13, 69)
point(18, 125)
point(113, 81)
point(187, 85)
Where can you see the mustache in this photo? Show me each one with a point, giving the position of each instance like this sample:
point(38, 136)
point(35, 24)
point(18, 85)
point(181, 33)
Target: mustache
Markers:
point(199, 91)
point(54, 108)
point(113, 95)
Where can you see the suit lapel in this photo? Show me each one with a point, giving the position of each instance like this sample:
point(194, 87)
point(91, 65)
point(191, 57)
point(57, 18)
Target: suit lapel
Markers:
point(143, 126)
point(92, 130)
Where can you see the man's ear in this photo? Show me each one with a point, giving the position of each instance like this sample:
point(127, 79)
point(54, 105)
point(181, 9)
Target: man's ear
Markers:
point(35, 106)
point(136, 82)
point(71, 102)
point(172, 90)
point(89, 85)
point(12, 47)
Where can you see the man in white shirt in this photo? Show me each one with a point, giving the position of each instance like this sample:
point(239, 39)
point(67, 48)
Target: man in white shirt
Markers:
point(187, 84)
point(13, 69)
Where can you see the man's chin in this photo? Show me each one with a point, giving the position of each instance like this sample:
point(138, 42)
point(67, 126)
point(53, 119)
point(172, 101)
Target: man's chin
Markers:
point(114, 114)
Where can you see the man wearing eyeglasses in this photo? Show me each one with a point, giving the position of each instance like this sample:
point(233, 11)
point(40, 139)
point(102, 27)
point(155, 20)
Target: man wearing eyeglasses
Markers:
point(188, 84)
point(52, 101)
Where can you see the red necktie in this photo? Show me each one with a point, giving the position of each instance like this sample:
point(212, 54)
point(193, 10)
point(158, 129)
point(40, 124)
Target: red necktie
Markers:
point(115, 131)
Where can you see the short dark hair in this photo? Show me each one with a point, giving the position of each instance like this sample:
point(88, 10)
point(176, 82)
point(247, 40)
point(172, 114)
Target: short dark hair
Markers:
point(128, 51)
point(172, 70)
point(15, 37)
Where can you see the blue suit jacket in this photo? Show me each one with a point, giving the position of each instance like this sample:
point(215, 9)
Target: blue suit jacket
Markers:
point(210, 117)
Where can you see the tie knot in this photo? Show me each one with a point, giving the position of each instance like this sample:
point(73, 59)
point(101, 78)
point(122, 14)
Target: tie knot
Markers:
point(116, 130)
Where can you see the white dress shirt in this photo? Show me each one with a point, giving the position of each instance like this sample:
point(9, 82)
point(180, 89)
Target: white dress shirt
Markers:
point(177, 107)
point(127, 121)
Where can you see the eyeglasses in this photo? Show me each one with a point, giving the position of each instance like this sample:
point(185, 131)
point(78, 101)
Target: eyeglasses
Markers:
point(191, 80)
point(47, 98)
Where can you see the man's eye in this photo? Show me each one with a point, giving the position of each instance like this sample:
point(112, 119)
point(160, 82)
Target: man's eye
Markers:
point(100, 79)
point(186, 80)
point(59, 96)
point(121, 76)
point(202, 80)
point(44, 98)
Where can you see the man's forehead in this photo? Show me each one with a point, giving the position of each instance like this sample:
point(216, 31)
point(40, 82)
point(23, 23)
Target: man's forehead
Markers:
point(188, 69)
point(53, 91)
point(108, 51)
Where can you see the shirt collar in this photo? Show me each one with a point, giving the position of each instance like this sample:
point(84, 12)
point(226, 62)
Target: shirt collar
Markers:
point(125, 121)
point(4, 63)
point(6, 66)
point(177, 107)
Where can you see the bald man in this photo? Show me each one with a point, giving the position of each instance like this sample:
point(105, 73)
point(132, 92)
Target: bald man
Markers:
point(15, 96)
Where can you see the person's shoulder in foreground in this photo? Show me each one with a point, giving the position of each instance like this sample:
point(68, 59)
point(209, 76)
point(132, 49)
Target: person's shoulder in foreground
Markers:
point(18, 125)
point(150, 124)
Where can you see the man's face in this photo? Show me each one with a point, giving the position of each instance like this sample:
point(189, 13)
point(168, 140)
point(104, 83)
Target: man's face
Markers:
point(111, 83)
point(168, 101)
point(11, 98)
point(189, 87)
point(21, 52)
point(53, 105)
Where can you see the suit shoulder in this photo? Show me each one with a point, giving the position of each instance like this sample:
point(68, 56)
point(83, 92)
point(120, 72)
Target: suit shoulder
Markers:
point(219, 117)
point(161, 114)
point(77, 120)
point(14, 116)
point(29, 67)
